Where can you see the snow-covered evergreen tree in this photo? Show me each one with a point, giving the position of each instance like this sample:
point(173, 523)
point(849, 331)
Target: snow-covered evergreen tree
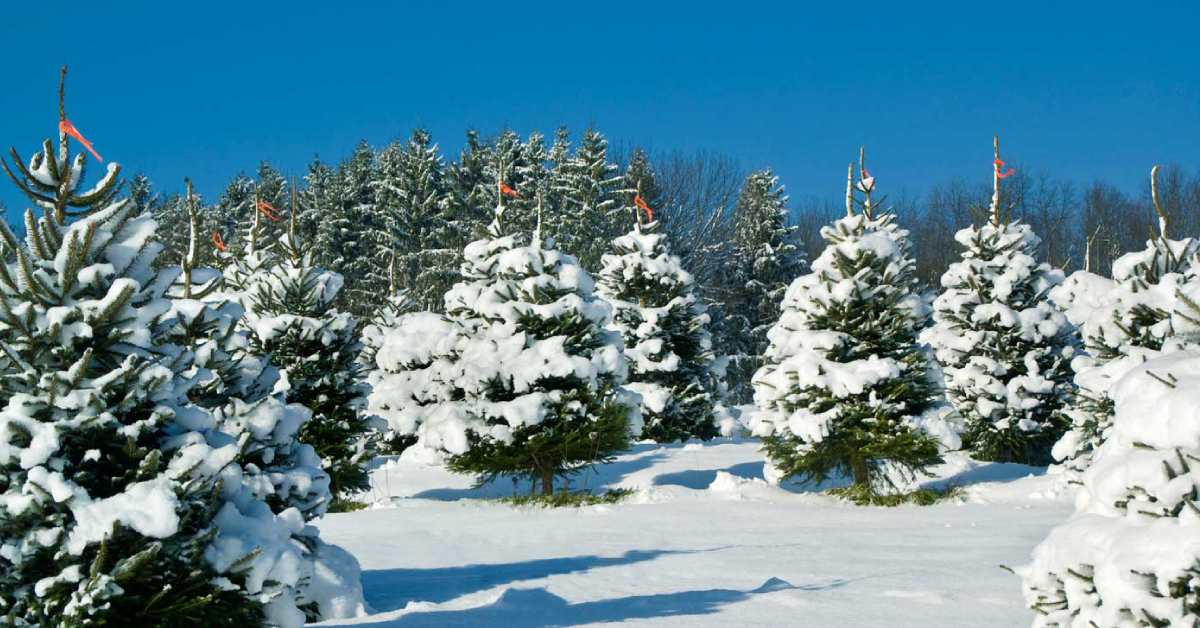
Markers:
point(664, 326)
point(541, 376)
point(354, 239)
point(413, 190)
point(765, 260)
point(291, 317)
point(1123, 321)
point(281, 482)
point(102, 506)
point(845, 382)
point(1130, 555)
point(587, 186)
point(1004, 349)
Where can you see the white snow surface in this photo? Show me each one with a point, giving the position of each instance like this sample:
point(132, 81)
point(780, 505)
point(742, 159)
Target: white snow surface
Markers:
point(704, 541)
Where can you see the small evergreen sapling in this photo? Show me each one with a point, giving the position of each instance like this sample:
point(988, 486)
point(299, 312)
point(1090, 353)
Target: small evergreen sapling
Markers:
point(1004, 349)
point(845, 381)
point(664, 326)
point(291, 317)
point(541, 375)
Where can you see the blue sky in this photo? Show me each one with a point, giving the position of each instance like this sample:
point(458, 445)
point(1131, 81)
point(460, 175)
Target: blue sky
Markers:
point(1083, 90)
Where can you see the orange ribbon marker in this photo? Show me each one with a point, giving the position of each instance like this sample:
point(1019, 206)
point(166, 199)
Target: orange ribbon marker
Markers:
point(65, 126)
point(1000, 173)
point(268, 211)
point(218, 242)
point(507, 191)
point(641, 203)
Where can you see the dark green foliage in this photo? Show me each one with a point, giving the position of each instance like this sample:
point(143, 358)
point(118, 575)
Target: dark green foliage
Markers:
point(582, 430)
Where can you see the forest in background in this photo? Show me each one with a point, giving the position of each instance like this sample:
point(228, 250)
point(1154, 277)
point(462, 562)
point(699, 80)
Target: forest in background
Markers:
point(396, 218)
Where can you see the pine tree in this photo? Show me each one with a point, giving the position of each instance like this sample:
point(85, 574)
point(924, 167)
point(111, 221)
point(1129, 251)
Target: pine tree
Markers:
point(291, 316)
point(415, 191)
point(1129, 556)
point(664, 326)
point(102, 507)
point(470, 190)
point(1004, 349)
point(282, 481)
point(765, 260)
point(587, 184)
point(844, 377)
point(1123, 322)
point(317, 201)
point(354, 239)
point(540, 374)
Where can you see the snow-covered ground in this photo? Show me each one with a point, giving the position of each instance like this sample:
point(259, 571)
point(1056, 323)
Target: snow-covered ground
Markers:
point(704, 542)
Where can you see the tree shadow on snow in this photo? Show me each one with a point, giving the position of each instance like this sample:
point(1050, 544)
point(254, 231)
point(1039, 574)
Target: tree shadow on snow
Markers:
point(596, 479)
point(700, 479)
point(984, 472)
point(391, 589)
point(538, 608)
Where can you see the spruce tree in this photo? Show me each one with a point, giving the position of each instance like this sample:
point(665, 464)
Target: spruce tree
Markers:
point(1004, 349)
point(664, 326)
point(765, 260)
point(102, 506)
point(1129, 555)
point(354, 240)
point(282, 481)
point(587, 185)
point(291, 317)
point(541, 376)
point(1123, 321)
point(844, 377)
point(413, 189)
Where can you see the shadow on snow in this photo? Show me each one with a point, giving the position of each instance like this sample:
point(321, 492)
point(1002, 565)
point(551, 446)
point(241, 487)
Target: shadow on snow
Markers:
point(539, 608)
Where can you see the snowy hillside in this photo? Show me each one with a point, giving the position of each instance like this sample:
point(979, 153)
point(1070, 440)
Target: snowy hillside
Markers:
point(704, 541)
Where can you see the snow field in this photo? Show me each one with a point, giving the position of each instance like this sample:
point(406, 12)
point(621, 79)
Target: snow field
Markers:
point(704, 541)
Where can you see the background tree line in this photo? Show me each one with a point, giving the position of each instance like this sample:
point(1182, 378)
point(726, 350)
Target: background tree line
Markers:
point(403, 213)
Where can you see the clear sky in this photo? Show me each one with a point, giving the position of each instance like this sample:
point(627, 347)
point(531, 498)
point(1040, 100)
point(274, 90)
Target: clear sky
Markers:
point(1084, 90)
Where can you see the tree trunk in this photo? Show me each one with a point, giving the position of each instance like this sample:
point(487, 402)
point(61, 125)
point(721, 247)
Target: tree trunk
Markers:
point(547, 483)
point(860, 471)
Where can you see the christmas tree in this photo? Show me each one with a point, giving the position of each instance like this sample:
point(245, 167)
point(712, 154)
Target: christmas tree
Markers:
point(103, 507)
point(291, 317)
point(844, 379)
point(281, 482)
point(665, 329)
point(540, 374)
point(1129, 556)
point(1123, 321)
point(1004, 349)
point(765, 260)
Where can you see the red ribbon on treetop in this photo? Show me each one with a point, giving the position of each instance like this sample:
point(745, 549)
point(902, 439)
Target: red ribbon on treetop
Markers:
point(218, 242)
point(507, 191)
point(641, 203)
point(268, 211)
point(1000, 172)
point(65, 126)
